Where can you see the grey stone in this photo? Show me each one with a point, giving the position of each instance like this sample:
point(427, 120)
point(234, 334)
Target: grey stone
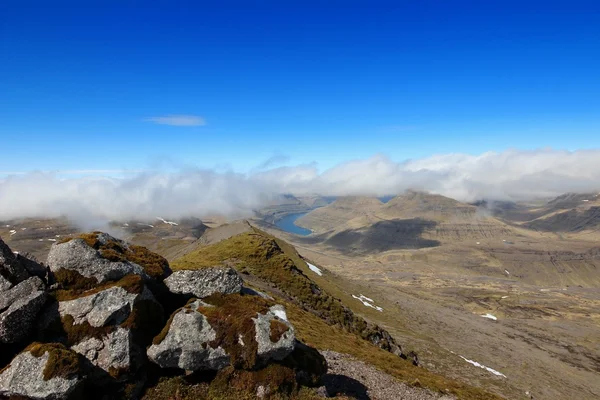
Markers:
point(4, 284)
point(186, 344)
point(25, 377)
point(268, 350)
point(112, 351)
point(108, 307)
point(21, 290)
point(17, 321)
point(77, 256)
point(205, 281)
point(10, 269)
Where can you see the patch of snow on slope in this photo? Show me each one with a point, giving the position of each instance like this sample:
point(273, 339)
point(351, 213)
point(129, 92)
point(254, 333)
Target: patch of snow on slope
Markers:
point(315, 269)
point(167, 222)
point(281, 314)
point(12, 232)
point(504, 297)
point(507, 273)
point(475, 363)
point(367, 302)
point(51, 240)
point(490, 316)
point(140, 224)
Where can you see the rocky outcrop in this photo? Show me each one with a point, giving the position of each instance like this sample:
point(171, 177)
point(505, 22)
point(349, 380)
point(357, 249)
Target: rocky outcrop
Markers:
point(43, 372)
point(274, 334)
point(205, 282)
point(247, 334)
point(104, 302)
point(186, 343)
point(19, 307)
point(76, 255)
point(11, 270)
point(100, 324)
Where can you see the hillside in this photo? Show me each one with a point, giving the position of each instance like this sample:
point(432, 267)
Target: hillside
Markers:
point(410, 221)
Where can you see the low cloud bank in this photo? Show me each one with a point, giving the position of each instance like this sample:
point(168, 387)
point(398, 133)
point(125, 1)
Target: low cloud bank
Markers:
point(510, 175)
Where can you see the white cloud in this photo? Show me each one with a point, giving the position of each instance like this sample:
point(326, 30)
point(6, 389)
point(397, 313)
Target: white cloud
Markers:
point(178, 120)
point(509, 175)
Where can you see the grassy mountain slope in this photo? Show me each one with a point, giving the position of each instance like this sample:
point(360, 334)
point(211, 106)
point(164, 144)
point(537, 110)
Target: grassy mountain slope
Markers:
point(321, 319)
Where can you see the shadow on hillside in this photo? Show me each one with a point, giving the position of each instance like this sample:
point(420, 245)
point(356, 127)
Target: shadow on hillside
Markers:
point(345, 386)
point(399, 234)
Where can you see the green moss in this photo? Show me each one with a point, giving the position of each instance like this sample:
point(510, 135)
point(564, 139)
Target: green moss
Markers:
point(62, 362)
point(277, 329)
point(131, 283)
point(231, 383)
point(176, 388)
point(74, 280)
point(78, 332)
point(231, 317)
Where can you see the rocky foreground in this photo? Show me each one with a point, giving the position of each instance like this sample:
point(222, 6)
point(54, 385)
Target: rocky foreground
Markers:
point(107, 319)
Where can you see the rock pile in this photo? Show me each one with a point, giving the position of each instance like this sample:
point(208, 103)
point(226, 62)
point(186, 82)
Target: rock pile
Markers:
point(107, 319)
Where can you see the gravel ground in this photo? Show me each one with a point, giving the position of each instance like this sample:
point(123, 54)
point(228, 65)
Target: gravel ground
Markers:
point(355, 379)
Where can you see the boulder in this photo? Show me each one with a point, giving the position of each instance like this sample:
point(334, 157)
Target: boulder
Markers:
point(205, 282)
point(111, 352)
point(109, 325)
point(43, 371)
point(10, 269)
point(19, 307)
point(111, 306)
point(185, 342)
point(241, 331)
point(76, 255)
point(274, 334)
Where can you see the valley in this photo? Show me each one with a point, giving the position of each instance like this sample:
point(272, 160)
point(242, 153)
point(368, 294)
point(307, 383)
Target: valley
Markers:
point(478, 293)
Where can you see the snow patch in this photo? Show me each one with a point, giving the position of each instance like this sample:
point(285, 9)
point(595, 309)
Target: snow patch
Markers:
point(507, 273)
point(51, 240)
point(315, 269)
point(490, 316)
point(505, 297)
point(167, 222)
point(367, 302)
point(544, 290)
point(7, 226)
point(140, 224)
point(585, 200)
point(12, 232)
point(280, 314)
point(23, 229)
point(478, 243)
point(475, 363)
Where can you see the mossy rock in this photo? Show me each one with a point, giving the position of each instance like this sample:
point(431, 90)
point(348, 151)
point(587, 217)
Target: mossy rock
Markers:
point(112, 249)
point(62, 362)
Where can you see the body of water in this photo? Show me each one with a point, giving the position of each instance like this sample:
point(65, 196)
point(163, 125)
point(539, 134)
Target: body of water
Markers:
point(287, 224)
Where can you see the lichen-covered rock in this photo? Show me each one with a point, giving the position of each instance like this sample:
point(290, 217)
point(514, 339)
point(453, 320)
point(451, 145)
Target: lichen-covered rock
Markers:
point(274, 334)
point(20, 290)
point(10, 269)
point(19, 307)
point(186, 344)
point(76, 255)
point(241, 331)
point(43, 371)
point(111, 352)
point(108, 324)
point(205, 282)
point(107, 307)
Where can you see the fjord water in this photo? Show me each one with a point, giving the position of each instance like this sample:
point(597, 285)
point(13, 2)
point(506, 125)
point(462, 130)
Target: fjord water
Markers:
point(287, 224)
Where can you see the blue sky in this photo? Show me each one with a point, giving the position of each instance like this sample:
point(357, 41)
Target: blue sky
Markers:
point(82, 84)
